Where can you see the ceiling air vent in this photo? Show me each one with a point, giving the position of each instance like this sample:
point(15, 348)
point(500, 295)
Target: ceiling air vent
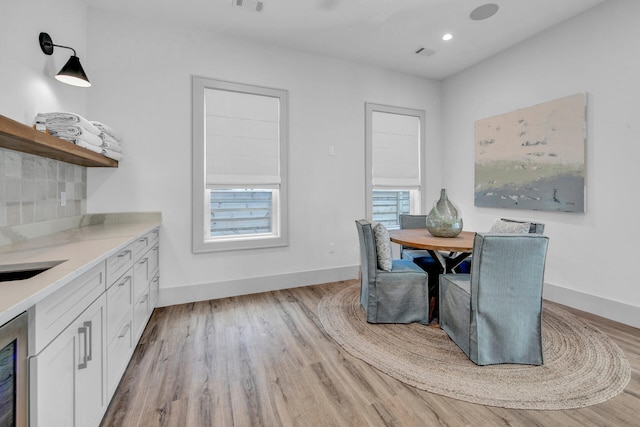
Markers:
point(254, 5)
point(425, 51)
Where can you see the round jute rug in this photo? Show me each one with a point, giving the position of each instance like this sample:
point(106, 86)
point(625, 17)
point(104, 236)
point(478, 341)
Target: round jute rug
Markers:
point(582, 366)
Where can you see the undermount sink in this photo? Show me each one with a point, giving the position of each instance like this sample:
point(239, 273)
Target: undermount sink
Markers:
point(25, 270)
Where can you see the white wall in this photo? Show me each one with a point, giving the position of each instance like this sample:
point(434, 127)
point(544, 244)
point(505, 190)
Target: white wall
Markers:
point(142, 85)
point(26, 74)
point(592, 256)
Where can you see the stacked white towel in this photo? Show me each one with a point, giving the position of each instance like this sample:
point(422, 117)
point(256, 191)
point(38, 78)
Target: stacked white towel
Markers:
point(94, 136)
point(66, 119)
point(111, 139)
point(108, 130)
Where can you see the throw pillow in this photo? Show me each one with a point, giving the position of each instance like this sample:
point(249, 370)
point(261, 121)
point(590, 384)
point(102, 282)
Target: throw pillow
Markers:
point(510, 227)
point(383, 247)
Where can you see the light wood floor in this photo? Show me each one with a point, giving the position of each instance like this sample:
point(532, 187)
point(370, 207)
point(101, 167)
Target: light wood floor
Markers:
point(264, 360)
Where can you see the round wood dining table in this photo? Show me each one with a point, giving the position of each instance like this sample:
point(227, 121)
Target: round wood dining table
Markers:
point(459, 247)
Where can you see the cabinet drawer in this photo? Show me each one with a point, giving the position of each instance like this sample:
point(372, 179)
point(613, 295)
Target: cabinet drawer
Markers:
point(118, 353)
point(118, 263)
point(140, 315)
point(54, 313)
point(119, 304)
point(143, 243)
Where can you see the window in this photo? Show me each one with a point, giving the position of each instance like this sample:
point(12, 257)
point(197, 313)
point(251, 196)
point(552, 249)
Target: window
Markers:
point(241, 212)
point(388, 205)
point(395, 162)
point(239, 166)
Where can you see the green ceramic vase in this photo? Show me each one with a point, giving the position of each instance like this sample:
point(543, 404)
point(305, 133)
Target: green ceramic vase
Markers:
point(443, 220)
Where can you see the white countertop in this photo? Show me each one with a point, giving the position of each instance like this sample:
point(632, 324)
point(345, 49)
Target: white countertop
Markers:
point(88, 242)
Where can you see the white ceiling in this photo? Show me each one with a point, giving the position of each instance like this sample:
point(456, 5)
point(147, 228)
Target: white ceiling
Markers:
point(385, 33)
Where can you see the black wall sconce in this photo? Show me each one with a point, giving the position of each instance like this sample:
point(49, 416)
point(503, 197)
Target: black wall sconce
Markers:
point(72, 72)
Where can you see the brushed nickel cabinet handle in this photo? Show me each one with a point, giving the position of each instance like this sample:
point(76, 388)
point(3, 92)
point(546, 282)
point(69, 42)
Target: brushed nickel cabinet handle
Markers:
point(123, 254)
point(126, 279)
point(83, 331)
point(125, 330)
point(89, 326)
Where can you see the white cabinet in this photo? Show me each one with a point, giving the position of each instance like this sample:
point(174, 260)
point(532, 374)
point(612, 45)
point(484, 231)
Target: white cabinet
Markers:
point(67, 381)
point(83, 335)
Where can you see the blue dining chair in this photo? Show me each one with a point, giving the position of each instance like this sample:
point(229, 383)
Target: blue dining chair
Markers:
point(413, 221)
point(533, 227)
point(399, 295)
point(494, 314)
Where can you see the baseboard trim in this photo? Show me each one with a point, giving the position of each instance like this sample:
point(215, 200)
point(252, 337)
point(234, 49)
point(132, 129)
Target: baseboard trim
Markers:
point(230, 288)
point(614, 310)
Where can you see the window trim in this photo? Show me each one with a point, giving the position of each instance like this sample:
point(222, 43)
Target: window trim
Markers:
point(370, 108)
point(200, 210)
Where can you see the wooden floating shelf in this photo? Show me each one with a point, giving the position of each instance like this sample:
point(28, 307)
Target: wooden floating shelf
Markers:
point(20, 137)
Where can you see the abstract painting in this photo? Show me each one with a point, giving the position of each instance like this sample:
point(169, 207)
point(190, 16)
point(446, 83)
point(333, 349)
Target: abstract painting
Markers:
point(533, 158)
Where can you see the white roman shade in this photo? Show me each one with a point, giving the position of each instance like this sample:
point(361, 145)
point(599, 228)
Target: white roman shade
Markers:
point(396, 150)
point(242, 138)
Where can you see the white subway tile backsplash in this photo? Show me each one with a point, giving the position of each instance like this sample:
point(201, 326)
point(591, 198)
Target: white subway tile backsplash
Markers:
point(28, 212)
point(69, 172)
point(12, 189)
point(52, 189)
point(30, 188)
point(13, 164)
point(41, 189)
point(61, 170)
point(28, 167)
point(41, 168)
point(52, 169)
point(28, 191)
point(13, 213)
point(70, 189)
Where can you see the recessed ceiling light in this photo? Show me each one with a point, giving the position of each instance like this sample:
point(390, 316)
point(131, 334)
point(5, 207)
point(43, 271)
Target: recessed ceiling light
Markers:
point(447, 37)
point(483, 12)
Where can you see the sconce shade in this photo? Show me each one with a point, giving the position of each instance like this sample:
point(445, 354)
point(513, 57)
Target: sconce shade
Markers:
point(73, 74)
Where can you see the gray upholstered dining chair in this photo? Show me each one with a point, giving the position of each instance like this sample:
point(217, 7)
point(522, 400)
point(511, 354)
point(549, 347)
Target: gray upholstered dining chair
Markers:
point(494, 314)
point(412, 221)
point(396, 296)
point(533, 227)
